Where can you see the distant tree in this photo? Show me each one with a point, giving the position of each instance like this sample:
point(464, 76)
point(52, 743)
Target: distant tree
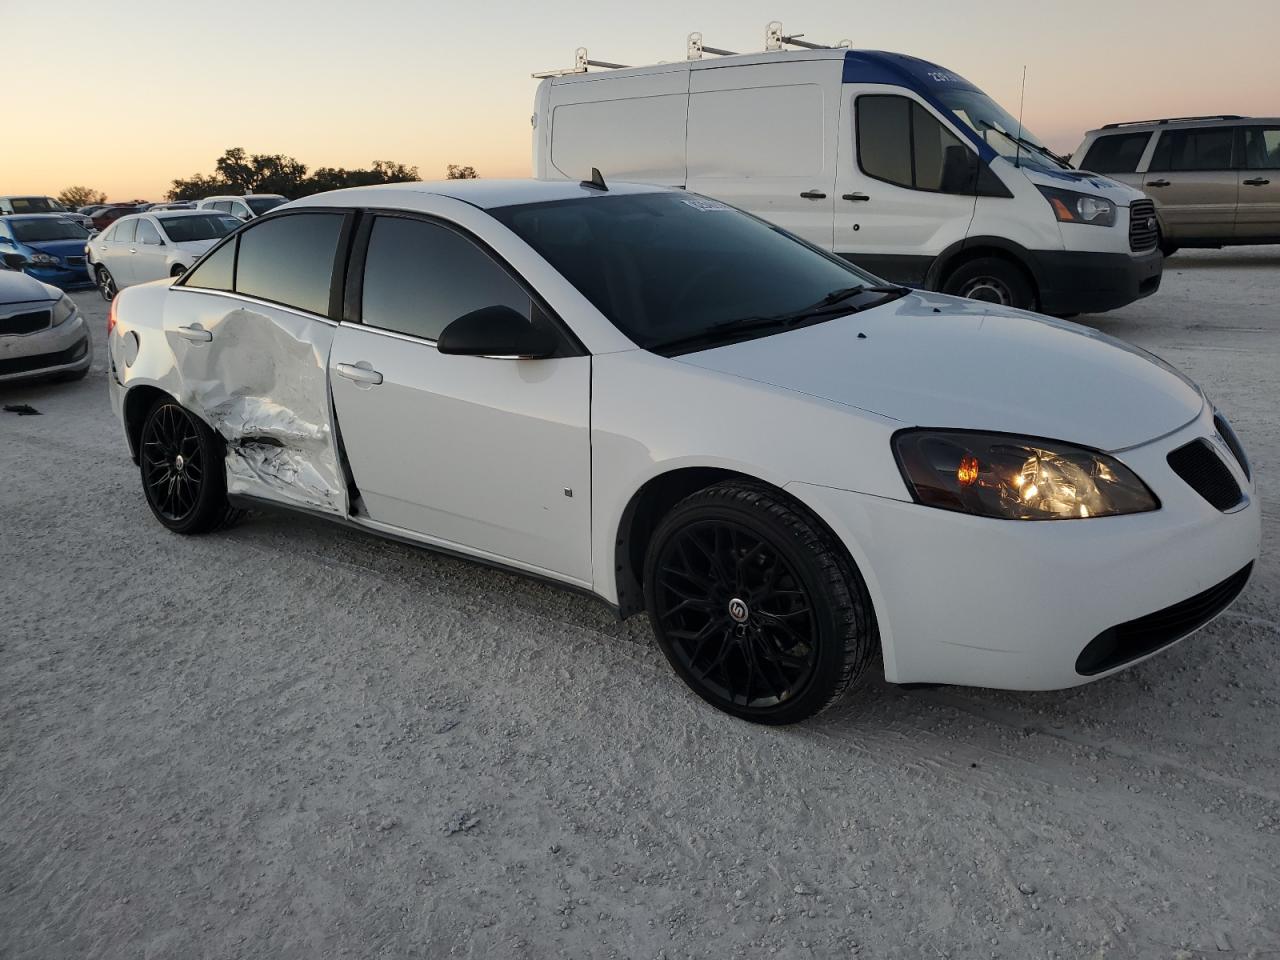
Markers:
point(336, 178)
point(238, 172)
point(197, 187)
point(76, 197)
point(456, 172)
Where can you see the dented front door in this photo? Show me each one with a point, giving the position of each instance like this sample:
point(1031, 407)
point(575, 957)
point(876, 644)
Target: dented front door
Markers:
point(257, 374)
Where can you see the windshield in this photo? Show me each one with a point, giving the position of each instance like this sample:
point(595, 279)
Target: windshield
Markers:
point(202, 227)
point(35, 205)
point(260, 205)
point(670, 266)
point(47, 228)
point(1000, 130)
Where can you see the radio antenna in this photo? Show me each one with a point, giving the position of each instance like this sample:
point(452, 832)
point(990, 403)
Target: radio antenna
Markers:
point(1022, 99)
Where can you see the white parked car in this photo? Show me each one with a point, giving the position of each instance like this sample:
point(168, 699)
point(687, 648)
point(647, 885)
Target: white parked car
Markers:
point(245, 207)
point(654, 397)
point(42, 332)
point(151, 246)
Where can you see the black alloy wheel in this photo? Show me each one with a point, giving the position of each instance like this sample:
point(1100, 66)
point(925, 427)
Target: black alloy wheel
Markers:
point(755, 607)
point(106, 284)
point(183, 476)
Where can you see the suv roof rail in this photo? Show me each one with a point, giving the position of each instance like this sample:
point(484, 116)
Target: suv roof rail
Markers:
point(774, 39)
point(1138, 123)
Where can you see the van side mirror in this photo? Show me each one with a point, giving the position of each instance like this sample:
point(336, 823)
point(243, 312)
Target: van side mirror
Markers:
point(497, 331)
point(15, 261)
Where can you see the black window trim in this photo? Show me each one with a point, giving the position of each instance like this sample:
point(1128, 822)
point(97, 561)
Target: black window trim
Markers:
point(351, 307)
point(336, 279)
point(911, 149)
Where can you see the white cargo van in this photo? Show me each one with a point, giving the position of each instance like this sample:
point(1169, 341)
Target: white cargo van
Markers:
point(895, 163)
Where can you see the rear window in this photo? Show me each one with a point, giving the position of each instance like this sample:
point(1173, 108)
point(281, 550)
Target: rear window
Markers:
point(209, 226)
point(1115, 153)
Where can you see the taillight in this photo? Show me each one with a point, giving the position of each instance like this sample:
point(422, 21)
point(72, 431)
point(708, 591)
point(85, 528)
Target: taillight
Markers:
point(111, 315)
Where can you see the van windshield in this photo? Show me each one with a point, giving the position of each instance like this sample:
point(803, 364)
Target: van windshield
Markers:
point(999, 129)
point(675, 271)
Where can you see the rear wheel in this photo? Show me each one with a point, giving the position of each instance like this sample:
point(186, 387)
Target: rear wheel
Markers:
point(177, 271)
point(106, 283)
point(992, 280)
point(183, 476)
point(755, 606)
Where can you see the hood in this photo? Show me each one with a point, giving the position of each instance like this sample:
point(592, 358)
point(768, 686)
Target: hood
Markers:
point(19, 288)
point(196, 247)
point(936, 361)
point(1121, 194)
point(59, 248)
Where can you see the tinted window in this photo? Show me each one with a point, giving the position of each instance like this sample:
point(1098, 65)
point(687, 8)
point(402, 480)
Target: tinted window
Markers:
point(884, 138)
point(205, 226)
point(290, 259)
point(1262, 148)
point(261, 205)
point(39, 229)
point(126, 230)
point(1115, 153)
point(419, 277)
point(215, 271)
point(147, 233)
point(902, 142)
point(664, 266)
point(222, 205)
point(1207, 149)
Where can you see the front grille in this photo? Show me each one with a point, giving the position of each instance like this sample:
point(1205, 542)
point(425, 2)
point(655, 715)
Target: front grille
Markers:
point(1137, 638)
point(43, 360)
point(1143, 231)
point(29, 322)
point(75, 261)
point(1199, 464)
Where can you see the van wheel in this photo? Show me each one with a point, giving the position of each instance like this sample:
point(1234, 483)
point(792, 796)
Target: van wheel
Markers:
point(756, 607)
point(992, 280)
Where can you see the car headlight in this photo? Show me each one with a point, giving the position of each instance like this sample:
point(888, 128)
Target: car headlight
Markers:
point(63, 310)
point(42, 258)
point(1071, 207)
point(1016, 478)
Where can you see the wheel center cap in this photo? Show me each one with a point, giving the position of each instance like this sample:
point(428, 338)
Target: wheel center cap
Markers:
point(179, 462)
point(738, 610)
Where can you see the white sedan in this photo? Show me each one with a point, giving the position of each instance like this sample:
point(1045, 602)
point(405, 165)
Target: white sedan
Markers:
point(151, 246)
point(666, 402)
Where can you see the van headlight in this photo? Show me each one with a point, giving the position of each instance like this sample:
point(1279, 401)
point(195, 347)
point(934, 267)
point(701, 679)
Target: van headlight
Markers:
point(1071, 207)
point(1016, 478)
point(63, 310)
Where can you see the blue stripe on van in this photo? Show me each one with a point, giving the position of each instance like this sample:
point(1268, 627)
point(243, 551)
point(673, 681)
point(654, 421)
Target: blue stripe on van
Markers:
point(919, 76)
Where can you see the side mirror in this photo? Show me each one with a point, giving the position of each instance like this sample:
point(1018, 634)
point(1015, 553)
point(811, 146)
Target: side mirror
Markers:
point(497, 331)
point(15, 261)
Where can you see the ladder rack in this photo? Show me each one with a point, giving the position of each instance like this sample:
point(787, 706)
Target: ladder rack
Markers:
point(774, 40)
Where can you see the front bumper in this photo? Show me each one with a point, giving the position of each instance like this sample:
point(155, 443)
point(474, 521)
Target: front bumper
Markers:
point(1074, 281)
point(67, 348)
point(61, 276)
point(1013, 604)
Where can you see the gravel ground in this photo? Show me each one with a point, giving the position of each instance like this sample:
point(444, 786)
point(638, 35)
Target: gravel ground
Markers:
point(291, 740)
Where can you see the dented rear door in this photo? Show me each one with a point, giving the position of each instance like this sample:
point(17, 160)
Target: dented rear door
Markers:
point(256, 370)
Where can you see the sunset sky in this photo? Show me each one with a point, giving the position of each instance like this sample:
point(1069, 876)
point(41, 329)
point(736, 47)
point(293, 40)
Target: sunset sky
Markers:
point(125, 96)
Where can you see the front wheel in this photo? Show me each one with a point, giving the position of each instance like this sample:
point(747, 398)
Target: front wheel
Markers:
point(183, 476)
point(992, 280)
point(755, 606)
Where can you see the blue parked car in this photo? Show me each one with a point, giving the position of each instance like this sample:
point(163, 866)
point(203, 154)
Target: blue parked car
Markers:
point(52, 245)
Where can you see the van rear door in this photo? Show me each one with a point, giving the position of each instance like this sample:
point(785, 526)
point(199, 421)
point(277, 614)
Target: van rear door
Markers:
point(763, 137)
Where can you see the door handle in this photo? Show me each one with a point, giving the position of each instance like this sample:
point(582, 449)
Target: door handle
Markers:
point(1256, 182)
point(1158, 183)
point(195, 333)
point(854, 196)
point(359, 374)
point(814, 195)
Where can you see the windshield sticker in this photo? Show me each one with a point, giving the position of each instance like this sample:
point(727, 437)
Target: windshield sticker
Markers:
point(708, 206)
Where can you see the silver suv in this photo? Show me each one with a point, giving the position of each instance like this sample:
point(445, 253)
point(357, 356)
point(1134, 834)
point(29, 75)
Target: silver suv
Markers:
point(1215, 180)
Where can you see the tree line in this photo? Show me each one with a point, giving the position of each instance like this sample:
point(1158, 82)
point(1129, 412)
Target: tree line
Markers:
point(237, 172)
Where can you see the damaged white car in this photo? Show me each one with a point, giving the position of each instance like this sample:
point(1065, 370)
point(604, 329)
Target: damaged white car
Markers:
point(675, 406)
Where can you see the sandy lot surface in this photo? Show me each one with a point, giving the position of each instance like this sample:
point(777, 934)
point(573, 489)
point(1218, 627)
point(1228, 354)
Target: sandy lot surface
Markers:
point(290, 740)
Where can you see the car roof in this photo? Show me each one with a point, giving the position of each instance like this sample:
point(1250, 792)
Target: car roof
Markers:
point(485, 194)
point(175, 214)
point(34, 216)
point(1181, 123)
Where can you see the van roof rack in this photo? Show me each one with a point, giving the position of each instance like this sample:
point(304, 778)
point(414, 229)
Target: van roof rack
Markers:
point(774, 40)
point(1138, 123)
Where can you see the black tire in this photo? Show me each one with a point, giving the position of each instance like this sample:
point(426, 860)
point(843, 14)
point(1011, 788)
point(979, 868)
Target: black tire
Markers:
point(805, 629)
point(183, 475)
point(106, 283)
point(177, 270)
point(1168, 247)
point(992, 280)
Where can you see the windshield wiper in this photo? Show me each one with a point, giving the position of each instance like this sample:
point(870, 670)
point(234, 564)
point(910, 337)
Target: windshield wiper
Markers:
point(830, 305)
point(1029, 145)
